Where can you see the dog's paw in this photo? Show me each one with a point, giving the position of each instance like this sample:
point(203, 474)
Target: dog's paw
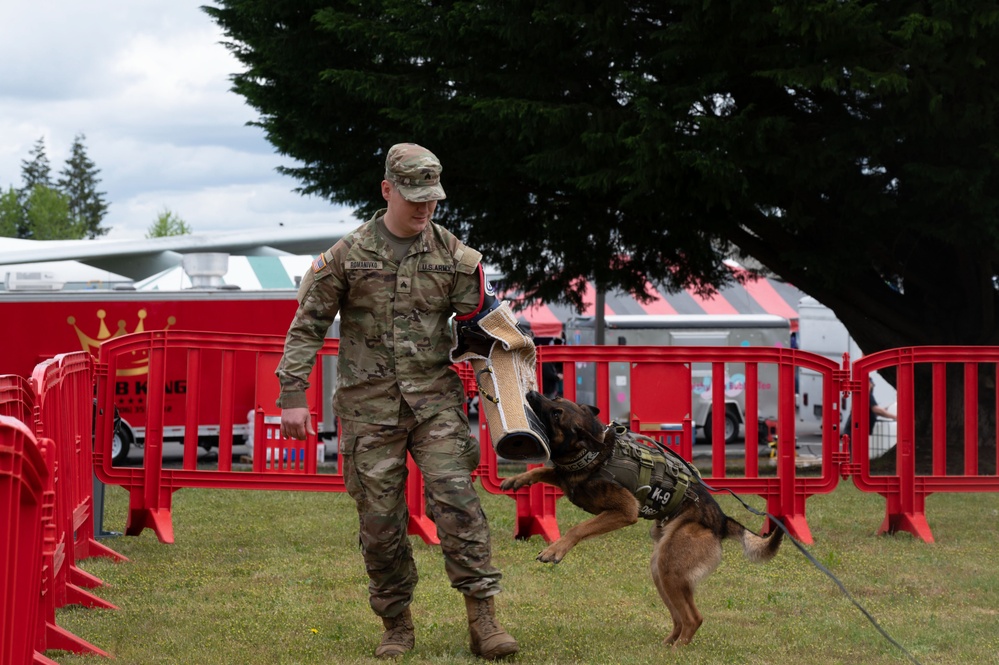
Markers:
point(510, 484)
point(550, 555)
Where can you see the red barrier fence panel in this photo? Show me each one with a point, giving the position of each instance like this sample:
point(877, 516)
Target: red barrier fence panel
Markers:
point(17, 399)
point(23, 477)
point(63, 392)
point(905, 490)
point(225, 363)
point(66, 409)
point(659, 384)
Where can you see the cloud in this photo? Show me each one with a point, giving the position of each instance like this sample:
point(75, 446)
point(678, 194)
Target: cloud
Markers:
point(148, 84)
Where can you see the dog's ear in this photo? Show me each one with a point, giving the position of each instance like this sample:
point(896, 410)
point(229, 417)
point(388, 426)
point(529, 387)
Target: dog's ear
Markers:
point(593, 441)
point(594, 410)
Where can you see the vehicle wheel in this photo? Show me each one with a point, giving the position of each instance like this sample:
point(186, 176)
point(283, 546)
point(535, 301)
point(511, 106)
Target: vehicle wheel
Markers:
point(120, 444)
point(731, 428)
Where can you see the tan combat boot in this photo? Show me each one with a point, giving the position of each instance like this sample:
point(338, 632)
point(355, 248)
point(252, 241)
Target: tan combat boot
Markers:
point(398, 637)
point(489, 640)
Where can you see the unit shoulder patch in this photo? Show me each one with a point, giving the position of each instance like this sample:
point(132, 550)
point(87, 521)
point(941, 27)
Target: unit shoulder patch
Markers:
point(469, 260)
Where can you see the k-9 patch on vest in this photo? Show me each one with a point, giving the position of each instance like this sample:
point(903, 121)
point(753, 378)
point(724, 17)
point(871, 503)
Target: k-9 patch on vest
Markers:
point(656, 502)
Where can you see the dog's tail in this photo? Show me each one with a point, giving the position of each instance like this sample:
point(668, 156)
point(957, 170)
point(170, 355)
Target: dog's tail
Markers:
point(757, 548)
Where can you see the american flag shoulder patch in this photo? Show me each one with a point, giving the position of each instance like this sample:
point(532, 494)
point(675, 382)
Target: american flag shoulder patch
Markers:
point(319, 263)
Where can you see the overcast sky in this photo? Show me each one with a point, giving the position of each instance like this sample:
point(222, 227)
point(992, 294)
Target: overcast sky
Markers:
point(147, 83)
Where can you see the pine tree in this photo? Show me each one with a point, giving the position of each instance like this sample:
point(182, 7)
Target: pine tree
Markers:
point(35, 171)
point(87, 206)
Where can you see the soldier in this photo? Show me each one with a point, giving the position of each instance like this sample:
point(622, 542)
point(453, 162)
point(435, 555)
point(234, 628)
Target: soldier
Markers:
point(396, 280)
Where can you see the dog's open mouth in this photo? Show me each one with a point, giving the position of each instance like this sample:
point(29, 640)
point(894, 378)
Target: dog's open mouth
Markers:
point(539, 407)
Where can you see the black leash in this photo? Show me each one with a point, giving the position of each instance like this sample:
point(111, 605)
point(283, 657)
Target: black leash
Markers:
point(794, 541)
point(815, 562)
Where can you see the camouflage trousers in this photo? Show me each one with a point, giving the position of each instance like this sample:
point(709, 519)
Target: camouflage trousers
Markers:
point(374, 471)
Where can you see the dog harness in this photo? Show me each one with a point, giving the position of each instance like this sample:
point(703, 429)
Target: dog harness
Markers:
point(656, 476)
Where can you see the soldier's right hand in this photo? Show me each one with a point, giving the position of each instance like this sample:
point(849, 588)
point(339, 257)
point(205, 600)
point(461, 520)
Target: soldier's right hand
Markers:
point(296, 423)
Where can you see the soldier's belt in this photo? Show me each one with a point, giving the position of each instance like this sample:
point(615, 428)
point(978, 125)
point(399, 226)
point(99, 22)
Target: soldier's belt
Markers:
point(504, 361)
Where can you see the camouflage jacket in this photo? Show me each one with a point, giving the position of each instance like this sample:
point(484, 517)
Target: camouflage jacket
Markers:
point(395, 337)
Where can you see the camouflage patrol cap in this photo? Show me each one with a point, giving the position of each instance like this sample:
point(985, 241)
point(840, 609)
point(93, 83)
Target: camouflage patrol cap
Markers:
point(415, 171)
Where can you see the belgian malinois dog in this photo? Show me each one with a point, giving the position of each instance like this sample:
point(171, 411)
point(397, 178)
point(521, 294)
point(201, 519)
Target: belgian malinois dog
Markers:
point(687, 541)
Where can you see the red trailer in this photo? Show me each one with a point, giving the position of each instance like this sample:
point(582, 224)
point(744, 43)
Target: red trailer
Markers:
point(39, 325)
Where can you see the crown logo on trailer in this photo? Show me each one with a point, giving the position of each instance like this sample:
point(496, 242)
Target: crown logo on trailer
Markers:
point(140, 362)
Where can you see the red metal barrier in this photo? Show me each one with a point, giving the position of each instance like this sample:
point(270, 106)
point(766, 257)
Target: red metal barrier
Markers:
point(23, 478)
point(905, 491)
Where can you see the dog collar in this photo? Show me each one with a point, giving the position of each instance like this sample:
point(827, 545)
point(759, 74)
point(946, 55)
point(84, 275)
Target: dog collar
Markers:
point(584, 460)
point(580, 462)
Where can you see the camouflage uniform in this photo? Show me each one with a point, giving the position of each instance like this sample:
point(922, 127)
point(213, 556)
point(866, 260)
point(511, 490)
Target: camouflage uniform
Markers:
point(396, 392)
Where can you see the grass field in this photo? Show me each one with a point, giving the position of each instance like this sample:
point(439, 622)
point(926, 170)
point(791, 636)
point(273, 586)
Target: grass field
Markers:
point(276, 577)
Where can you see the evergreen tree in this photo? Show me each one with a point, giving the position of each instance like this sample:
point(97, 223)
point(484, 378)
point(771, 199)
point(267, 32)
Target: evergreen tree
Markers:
point(36, 170)
point(44, 210)
point(168, 224)
point(87, 206)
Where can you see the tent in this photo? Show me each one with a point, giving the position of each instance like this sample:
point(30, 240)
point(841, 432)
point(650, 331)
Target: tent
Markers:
point(761, 296)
